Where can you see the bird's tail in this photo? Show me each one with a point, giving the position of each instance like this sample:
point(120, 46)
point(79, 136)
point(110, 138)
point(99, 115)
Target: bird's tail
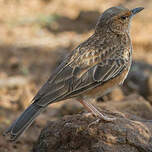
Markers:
point(24, 121)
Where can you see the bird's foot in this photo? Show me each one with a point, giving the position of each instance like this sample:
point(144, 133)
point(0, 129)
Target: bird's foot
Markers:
point(105, 118)
point(94, 122)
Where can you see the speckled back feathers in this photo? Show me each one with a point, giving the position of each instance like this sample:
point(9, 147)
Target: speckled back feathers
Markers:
point(100, 58)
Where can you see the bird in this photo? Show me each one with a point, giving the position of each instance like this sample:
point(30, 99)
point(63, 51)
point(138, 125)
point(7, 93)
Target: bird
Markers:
point(92, 69)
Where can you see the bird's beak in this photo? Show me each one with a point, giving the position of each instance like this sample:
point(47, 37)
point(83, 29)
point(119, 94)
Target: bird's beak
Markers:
point(136, 10)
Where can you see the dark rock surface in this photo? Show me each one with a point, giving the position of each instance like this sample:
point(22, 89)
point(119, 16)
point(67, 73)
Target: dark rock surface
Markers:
point(128, 133)
point(139, 80)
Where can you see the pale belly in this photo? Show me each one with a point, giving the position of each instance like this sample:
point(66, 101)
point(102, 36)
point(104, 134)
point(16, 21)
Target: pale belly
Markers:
point(106, 87)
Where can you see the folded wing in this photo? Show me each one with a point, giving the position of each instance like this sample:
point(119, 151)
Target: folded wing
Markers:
point(78, 73)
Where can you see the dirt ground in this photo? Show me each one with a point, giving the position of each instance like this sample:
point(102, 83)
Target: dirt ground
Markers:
point(34, 37)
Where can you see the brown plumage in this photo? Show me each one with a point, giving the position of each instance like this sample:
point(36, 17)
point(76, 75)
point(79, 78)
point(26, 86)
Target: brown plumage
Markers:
point(95, 67)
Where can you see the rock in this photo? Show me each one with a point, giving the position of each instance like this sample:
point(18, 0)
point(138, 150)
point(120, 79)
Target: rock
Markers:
point(115, 95)
point(13, 82)
point(75, 134)
point(133, 105)
point(150, 89)
point(139, 80)
point(69, 108)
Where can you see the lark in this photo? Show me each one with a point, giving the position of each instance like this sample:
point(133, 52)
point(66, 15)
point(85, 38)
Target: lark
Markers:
point(92, 69)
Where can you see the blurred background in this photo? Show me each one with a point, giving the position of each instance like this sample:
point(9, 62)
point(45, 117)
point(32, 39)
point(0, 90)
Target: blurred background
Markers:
point(34, 37)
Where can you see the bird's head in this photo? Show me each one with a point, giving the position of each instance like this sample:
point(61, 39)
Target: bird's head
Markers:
point(117, 19)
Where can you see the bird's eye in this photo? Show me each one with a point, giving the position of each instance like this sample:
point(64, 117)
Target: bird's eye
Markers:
point(124, 17)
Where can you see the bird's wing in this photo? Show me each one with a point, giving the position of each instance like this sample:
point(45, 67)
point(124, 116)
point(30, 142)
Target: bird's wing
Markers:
point(79, 72)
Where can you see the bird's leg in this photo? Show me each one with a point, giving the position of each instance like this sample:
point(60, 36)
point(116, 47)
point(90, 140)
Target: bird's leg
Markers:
point(95, 111)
